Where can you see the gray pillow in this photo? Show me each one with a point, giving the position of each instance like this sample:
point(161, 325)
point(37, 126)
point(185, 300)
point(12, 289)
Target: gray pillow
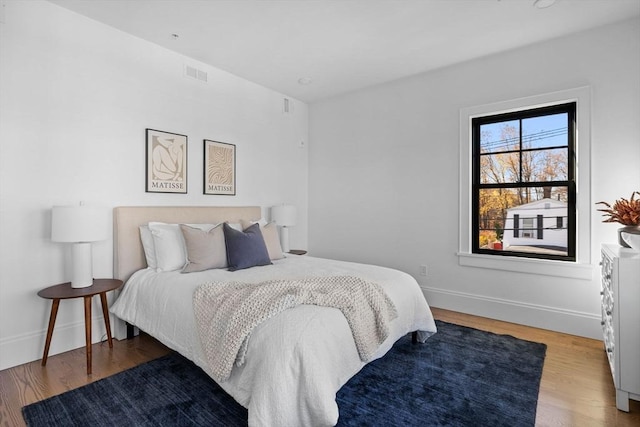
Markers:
point(246, 248)
point(205, 249)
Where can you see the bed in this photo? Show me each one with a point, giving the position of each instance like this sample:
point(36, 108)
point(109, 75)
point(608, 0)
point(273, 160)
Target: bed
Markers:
point(295, 361)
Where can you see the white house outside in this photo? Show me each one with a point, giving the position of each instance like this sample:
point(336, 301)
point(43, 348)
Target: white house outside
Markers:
point(542, 223)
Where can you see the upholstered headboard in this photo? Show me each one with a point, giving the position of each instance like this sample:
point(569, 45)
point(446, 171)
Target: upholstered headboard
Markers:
point(128, 255)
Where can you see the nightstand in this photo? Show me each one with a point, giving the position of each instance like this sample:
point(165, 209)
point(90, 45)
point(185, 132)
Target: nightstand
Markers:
point(65, 291)
point(297, 252)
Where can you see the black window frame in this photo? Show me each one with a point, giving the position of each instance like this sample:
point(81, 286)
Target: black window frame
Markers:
point(570, 109)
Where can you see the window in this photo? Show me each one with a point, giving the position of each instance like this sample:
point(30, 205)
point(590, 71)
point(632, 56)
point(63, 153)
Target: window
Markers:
point(580, 269)
point(523, 181)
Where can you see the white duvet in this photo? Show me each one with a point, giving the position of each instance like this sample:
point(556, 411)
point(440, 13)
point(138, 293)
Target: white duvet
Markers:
point(296, 361)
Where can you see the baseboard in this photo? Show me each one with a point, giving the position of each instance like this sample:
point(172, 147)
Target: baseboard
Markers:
point(539, 316)
point(19, 349)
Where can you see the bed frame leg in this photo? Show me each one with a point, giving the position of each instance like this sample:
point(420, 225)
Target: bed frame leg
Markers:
point(130, 331)
point(414, 337)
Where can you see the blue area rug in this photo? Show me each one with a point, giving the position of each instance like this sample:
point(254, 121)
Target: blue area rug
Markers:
point(459, 377)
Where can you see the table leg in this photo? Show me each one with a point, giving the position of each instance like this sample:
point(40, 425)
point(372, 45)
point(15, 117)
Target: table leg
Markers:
point(105, 314)
point(52, 321)
point(87, 330)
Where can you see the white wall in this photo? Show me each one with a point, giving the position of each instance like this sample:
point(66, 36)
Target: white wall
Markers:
point(75, 99)
point(384, 174)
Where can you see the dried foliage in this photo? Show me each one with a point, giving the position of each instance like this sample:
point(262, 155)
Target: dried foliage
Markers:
point(626, 212)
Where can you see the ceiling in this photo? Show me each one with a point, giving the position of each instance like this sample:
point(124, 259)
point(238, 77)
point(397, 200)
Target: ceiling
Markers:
point(345, 45)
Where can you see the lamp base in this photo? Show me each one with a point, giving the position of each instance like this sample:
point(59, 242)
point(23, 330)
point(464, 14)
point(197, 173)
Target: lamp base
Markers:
point(82, 265)
point(284, 239)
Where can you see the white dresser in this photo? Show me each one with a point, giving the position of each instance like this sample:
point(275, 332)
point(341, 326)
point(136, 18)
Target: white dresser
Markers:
point(620, 297)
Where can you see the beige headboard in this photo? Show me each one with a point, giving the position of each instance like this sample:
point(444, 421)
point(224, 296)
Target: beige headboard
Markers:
point(128, 255)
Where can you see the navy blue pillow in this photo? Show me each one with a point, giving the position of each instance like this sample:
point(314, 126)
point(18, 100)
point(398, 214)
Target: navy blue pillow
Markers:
point(245, 249)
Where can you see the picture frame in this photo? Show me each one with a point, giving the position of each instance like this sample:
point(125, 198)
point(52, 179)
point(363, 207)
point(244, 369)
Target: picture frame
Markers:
point(219, 168)
point(166, 162)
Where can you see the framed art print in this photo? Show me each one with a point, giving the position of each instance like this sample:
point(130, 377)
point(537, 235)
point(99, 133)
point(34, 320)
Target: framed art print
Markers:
point(219, 168)
point(166, 162)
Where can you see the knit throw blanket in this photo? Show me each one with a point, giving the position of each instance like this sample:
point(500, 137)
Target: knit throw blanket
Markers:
point(226, 313)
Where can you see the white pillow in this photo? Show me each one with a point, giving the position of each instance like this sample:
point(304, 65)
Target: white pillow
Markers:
point(246, 224)
point(235, 225)
point(149, 248)
point(171, 252)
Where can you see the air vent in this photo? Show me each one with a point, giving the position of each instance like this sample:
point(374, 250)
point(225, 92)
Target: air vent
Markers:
point(194, 73)
point(287, 106)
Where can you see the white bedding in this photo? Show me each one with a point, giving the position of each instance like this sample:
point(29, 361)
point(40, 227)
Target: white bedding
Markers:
point(296, 361)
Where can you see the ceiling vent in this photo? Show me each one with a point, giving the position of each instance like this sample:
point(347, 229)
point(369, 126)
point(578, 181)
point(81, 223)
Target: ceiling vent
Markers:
point(194, 73)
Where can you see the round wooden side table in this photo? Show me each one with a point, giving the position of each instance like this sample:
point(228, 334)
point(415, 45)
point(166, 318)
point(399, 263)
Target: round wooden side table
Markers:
point(65, 291)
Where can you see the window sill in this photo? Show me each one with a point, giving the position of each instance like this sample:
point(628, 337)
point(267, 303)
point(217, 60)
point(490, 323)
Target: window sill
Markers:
point(528, 265)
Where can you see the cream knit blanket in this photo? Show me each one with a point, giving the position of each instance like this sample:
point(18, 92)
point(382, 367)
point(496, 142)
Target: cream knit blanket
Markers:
point(226, 313)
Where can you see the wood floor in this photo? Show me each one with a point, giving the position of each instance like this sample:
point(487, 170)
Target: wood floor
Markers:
point(576, 387)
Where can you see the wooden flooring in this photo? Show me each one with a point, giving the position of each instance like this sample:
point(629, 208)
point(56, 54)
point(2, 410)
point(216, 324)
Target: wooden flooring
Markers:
point(576, 387)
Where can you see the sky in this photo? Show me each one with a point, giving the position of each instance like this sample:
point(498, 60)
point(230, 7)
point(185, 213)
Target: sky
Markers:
point(543, 131)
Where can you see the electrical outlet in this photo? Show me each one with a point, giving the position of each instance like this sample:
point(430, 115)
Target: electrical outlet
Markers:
point(423, 270)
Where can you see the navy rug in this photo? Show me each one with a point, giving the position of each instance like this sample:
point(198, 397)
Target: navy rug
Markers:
point(460, 377)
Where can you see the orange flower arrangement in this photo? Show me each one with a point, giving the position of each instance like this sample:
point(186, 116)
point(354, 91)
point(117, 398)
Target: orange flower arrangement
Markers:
point(626, 212)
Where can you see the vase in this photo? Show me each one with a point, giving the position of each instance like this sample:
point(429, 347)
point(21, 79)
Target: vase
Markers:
point(628, 236)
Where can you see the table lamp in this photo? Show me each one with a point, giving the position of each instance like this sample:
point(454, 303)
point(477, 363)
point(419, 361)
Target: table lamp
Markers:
point(284, 216)
point(79, 225)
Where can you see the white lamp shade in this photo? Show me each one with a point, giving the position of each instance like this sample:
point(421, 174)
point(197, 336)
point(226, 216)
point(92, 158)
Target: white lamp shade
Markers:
point(284, 215)
point(79, 225)
point(73, 224)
